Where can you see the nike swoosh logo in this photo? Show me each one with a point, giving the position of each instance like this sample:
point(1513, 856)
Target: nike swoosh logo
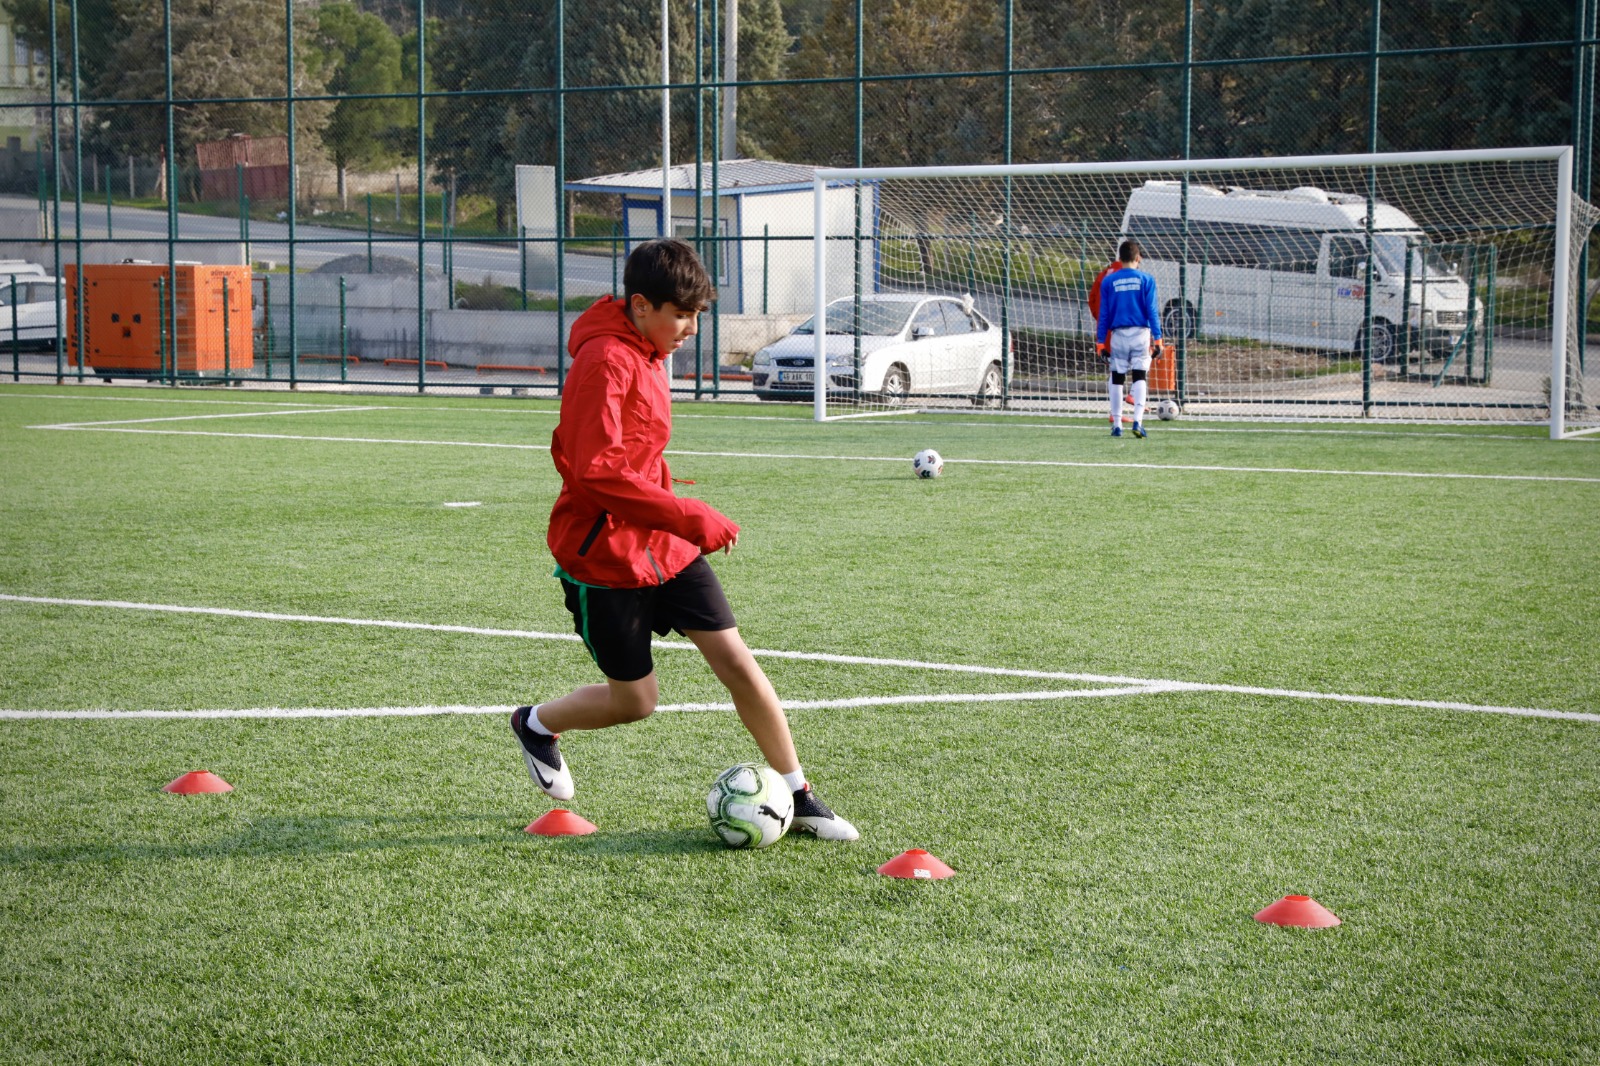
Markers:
point(536, 773)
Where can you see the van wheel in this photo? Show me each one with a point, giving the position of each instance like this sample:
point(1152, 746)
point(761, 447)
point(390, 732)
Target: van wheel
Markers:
point(988, 394)
point(1383, 342)
point(896, 385)
point(1178, 318)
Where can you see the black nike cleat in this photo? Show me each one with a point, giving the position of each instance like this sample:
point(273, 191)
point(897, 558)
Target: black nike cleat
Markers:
point(811, 815)
point(539, 751)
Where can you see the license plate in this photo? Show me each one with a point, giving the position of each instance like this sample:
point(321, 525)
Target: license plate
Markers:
point(795, 377)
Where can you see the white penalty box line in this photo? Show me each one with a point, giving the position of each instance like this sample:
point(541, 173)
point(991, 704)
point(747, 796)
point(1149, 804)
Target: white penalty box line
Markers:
point(1114, 685)
point(129, 426)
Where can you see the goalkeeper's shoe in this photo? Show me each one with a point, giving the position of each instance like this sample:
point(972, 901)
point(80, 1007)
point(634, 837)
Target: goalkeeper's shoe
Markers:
point(1138, 430)
point(811, 815)
point(545, 765)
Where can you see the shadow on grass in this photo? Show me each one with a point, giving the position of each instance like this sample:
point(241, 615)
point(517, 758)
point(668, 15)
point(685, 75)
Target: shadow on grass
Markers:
point(331, 834)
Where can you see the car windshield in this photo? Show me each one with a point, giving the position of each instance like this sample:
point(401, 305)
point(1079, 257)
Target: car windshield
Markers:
point(877, 319)
point(1426, 263)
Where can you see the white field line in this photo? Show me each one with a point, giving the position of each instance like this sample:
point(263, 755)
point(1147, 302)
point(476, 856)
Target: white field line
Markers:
point(197, 418)
point(1070, 422)
point(421, 712)
point(1124, 685)
point(1307, 471)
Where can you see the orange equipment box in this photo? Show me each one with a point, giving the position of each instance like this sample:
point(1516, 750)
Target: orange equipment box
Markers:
point(1164, 368)
point(125, 316)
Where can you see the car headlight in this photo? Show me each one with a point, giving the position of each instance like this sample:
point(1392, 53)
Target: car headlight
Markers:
point(762, 358)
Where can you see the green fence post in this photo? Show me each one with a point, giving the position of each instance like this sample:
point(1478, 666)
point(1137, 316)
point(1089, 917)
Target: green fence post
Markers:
point(616, 241)
point(266, 323)
point(238, 187)
point(108, 202)
point(161, 324)
point(766, 264)
point(369, 233)
point(16, 343)
point(227, 335)
point(344, 335)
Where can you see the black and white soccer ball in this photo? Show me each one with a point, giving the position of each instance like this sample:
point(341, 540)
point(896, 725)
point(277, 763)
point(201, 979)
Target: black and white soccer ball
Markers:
point(927, 463)
point(1168, 410)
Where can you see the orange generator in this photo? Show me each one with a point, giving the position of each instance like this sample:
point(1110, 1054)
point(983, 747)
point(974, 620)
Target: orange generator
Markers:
point(130, 327)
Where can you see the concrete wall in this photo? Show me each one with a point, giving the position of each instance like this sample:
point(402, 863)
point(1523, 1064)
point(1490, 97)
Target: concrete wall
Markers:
point(385, 327)
point(216, 253)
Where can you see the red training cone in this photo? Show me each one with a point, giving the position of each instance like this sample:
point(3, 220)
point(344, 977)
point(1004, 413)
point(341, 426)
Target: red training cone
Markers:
point(561, 823)
point(1300, 911)
point(197, 781)
point(916, 863)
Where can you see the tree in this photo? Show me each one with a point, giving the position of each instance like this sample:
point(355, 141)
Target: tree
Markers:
point(950, 119)
point(361, 57)
point(224, 53)
point(504, 51)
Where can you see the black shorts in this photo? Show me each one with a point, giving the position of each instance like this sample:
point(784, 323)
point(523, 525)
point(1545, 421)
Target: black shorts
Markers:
point(616, 624)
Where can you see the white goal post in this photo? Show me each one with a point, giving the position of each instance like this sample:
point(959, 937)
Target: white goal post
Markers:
point(1410, 286)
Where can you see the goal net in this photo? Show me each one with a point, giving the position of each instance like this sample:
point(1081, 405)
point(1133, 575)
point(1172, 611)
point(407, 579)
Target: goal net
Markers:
point(1414, 286)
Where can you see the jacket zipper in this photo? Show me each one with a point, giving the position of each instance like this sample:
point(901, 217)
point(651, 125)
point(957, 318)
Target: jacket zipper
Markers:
point(599, 524)
point(660, 580)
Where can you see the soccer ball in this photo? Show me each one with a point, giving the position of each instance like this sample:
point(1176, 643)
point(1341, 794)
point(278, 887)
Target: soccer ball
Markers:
point(750, 806)
point(927, 463)
point(1167, 410)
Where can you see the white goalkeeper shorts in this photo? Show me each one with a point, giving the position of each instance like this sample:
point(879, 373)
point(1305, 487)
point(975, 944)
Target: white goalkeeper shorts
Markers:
point(1130, 349)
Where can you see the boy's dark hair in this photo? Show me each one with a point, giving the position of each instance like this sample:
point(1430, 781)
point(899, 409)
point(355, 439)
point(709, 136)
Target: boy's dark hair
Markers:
point(667, 269)
point(1129, 251)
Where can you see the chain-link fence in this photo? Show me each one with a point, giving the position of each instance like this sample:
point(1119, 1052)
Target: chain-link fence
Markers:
point(427, 194)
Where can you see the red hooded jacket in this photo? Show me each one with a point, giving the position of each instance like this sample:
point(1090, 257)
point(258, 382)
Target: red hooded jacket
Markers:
point(617, 522)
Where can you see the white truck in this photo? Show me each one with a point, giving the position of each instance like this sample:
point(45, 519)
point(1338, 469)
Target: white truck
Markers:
point(1290, 267)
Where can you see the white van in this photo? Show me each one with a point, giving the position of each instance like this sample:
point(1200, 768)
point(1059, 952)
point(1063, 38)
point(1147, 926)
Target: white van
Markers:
point(1289, 267)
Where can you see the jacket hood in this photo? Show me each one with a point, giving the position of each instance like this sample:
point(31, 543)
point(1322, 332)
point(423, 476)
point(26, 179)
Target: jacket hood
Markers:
point(606, 318)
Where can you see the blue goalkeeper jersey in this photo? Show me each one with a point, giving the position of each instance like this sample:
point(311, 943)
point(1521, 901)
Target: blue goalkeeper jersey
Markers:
point(1128, 298)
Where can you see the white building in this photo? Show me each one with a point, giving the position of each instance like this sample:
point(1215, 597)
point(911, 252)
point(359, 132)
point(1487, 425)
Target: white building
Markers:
point(762, 212)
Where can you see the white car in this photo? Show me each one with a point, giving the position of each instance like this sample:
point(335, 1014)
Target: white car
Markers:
point(28, 310)
point(912, 344)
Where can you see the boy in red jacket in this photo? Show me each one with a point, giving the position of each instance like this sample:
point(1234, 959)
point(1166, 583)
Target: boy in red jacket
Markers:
point(630, 553)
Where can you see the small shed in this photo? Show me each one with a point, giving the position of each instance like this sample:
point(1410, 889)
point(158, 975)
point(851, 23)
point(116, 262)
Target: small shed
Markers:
point(762, 211)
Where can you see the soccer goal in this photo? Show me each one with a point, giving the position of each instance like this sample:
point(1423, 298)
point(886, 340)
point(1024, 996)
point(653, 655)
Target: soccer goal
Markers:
point(1419, 286)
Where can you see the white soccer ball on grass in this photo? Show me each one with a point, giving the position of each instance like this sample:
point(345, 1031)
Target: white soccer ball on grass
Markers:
point(927, 463)
point(1167, 410)
point(750, 806)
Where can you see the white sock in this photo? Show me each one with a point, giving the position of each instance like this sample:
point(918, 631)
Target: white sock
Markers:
point(1140, 390)
point(1115, 392)
point(797, 780)
point(538, 726)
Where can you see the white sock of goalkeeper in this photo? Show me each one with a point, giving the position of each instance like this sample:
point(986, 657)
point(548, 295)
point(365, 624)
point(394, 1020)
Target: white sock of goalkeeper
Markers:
point(1114, 390)
point(1140, 390)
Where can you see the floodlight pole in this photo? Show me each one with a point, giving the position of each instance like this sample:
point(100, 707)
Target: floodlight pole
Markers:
point(666, 127)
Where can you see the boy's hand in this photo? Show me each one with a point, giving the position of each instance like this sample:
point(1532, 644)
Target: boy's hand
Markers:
point(728, 548)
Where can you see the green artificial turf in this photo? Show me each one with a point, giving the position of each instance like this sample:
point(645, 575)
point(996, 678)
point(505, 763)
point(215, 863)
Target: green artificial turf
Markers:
point(367, 894)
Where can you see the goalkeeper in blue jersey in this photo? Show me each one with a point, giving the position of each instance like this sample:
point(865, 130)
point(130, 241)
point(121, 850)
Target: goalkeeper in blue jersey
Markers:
point(1131, 326)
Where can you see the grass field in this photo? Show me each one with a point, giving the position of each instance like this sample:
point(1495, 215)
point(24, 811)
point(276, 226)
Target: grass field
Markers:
point(1131, 691)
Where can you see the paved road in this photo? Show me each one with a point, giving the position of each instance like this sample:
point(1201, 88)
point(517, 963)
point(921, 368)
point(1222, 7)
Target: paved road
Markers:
point(315, 245)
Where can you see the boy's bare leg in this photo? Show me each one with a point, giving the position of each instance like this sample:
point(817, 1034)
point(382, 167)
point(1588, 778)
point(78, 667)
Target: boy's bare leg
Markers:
point(599, 706)
point(753, 695)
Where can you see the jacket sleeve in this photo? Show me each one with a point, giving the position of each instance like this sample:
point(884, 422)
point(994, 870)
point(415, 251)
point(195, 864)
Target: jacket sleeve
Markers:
point(1102, 323)
point(599, 464)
